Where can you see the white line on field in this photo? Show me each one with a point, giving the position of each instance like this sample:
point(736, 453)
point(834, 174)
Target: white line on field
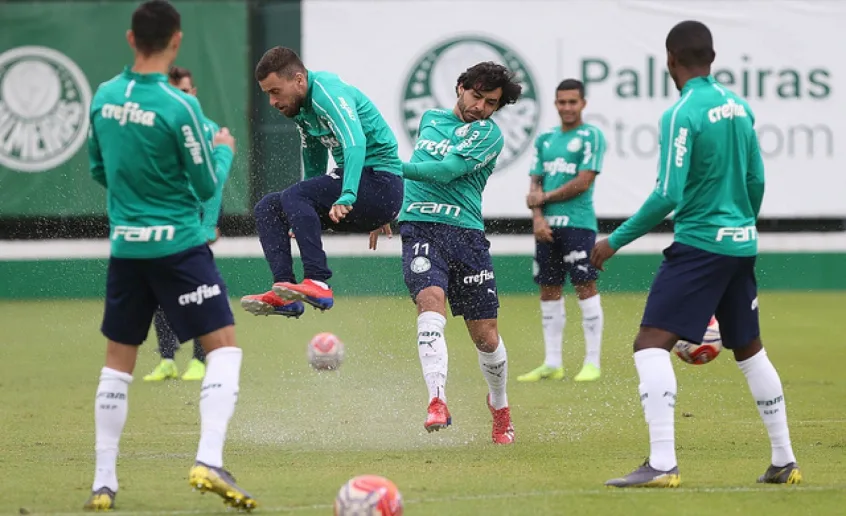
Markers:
point(356, 245)
point(498, 496)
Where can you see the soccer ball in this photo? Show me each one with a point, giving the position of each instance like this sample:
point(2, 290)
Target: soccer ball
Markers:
point(368, 495)
point(698, 354)
point(325, 352)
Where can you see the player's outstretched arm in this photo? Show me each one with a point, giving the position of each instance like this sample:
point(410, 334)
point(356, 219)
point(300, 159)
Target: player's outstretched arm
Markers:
point(677, 139)
point(338, 108)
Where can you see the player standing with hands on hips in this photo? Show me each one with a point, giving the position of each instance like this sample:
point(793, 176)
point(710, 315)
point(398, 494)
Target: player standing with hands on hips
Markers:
point(146, 147)
point(712, 175)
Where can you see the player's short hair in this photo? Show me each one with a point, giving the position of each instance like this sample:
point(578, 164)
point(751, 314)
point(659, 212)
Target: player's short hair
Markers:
point(691, 44)
point(279, 60)
point(177, 73)
point(572, 84)
point(154, 23)
point(488, 76)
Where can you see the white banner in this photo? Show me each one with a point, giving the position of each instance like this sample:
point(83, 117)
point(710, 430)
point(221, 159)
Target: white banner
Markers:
point(785, 57)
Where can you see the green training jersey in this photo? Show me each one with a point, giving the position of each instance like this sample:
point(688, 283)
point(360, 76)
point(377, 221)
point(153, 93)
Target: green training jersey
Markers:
point(459, 202)
point(337, 117)
point(146, 145)
point(710, 172)
point(559, 157)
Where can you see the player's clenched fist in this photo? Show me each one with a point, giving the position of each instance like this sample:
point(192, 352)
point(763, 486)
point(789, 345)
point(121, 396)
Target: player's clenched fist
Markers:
point(223, 137)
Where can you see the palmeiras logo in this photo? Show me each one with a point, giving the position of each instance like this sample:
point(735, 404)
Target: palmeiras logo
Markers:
point(44, 100)
point(431, 84)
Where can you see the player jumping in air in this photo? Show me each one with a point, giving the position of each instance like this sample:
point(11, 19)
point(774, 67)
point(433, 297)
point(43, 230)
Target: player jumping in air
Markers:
point(362, 194)
point(712, 175)
point(182, 79)
point(567, 161)
point(146, 147)
point(444, 250)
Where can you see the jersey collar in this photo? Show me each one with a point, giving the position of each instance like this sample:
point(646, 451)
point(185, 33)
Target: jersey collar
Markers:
point(143, 77)
point(698, 82)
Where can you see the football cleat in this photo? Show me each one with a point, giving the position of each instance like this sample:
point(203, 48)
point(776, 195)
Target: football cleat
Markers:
point(542, 373)
point(647, 476)
point(196, 370)
point(271, 304)
point(101, 500)
point(205, 478)
point(788, 474)
point(503, 429)
point(166, 370)
point(589, 373)
point(315, 293)
point(438, 416)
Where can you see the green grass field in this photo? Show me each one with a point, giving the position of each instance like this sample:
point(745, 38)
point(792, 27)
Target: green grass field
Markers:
point(298, 435)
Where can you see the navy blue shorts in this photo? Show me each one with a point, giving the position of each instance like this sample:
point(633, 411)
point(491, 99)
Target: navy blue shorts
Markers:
point(692, 285)
point(568, 253)
point(456, 259)
point(187, 285)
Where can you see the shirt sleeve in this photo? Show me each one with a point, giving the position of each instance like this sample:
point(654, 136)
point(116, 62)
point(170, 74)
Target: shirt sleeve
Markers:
point(197, 157)
point(536, 168)
point(481, 143)
point(95, 157)
point(594, 151)
point(338, 109)
point(677, 139)
point(440, 172)
point(755, 175)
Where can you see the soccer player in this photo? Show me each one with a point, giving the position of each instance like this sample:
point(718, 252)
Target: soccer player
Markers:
point(146, 147)
point(712, 175)
point(444, 250)
point(567, 160)
point(362, 194)
point(182, 79)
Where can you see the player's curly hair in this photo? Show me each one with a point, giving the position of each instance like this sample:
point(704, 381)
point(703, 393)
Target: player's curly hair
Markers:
point(691, 43)
point(488, 76)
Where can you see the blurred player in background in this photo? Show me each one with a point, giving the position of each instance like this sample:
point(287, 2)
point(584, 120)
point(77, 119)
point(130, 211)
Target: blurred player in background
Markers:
point(146, 147)
point(363, 193)
point(567, 160)
point(444, 250)
point(182, 79)
point(712, 175)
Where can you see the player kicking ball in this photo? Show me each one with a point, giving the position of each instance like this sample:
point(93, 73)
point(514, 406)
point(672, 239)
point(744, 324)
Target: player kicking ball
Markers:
point(363, 193)
point(567, 160)
point(146, 147)
point(712, 175)
point(444, 250)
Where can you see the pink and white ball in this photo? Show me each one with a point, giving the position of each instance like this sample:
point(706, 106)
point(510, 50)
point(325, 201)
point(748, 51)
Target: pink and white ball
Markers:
point(325, 352)
point(369, 495)
point(706, 351)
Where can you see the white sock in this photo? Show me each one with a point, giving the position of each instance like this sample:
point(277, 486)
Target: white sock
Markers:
point(217, 402)
point(592, 321)
point(432, 348)
point(495, 370)
point(766, 388)
point(554, 319)
point(658, 397)
point(110, 410)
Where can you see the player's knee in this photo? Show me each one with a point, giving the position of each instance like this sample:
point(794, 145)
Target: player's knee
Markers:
point(221, 338)
point(431, 299)
point(269, 205)
point(550, 292)
point(648, 338)
point(485, 334)
point(586, 290)
point(748, 351)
